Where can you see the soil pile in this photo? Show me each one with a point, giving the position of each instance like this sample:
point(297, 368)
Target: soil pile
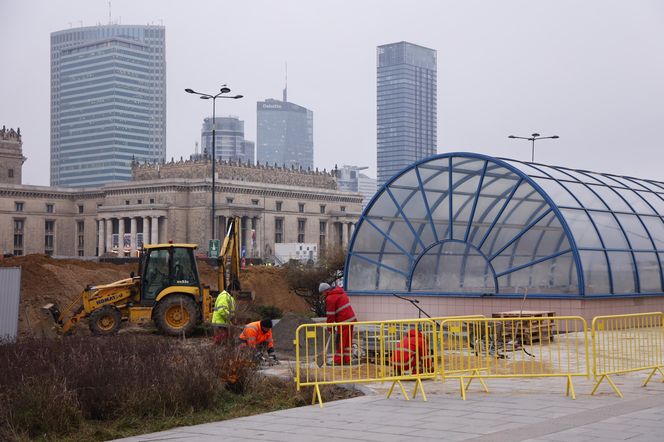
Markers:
point(60, 281)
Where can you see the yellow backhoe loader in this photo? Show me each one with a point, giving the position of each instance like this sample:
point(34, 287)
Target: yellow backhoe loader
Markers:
point(167, 290)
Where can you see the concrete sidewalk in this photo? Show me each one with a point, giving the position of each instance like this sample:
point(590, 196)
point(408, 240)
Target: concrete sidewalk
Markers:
point(514, 410)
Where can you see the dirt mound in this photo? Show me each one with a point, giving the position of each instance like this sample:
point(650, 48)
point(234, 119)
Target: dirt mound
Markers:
point(60, 281)
point(284, 331)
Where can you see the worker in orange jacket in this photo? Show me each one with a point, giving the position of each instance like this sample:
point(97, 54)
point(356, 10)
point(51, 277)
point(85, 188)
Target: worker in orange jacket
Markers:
point(339, 309)
point(258, 335)
point(411, 354)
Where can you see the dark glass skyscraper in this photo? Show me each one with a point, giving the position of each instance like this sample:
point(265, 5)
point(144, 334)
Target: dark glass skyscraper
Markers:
point(108, 102)
point(406, 106)
point(229, 141)
point(285, 134)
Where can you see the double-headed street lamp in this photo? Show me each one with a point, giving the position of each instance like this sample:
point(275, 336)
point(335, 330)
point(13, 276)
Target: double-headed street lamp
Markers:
point(220, 94)
point(533, 138)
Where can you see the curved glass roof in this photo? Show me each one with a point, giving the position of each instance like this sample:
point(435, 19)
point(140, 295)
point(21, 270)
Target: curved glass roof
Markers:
point(464, 223)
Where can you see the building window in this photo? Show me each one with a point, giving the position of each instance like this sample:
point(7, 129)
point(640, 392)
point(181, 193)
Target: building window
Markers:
point(139, 201)
point(322, 208)
point(126, 202)
point(301, 222)
point(49, 233)
point(18, 206)
point(80, 233)
point(229, 200)
point(151, 200)
point(278, 230)
point(19, 226)
point(81, 208)
point(254, 202)
point(343, 208)
point(278, 206)
point(322, 235)
point(300, 207)
point(49, 208)
point(10, 173)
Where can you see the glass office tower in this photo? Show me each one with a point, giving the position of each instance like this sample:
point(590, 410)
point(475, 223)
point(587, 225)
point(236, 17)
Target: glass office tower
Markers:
point(285, 134)
point(108, 102)
point(406, 106)
point(229, 141)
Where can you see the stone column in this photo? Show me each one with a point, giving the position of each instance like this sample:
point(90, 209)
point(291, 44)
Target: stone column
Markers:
point(109, 234)
point(344, 235)
point(146, 230)
point(121, 232)
point(133, 236)
point(101, 237)
point(164, 231)
point(154, 235)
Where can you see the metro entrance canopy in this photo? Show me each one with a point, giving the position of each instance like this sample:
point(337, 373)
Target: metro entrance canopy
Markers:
point(473, 225)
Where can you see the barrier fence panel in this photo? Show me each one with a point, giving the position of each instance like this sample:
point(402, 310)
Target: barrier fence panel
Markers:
point(372, 351)
point(627, 343)
point(513, 348)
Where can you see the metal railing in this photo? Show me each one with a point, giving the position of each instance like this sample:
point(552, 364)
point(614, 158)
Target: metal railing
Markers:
point(370, 351)
point(481, 348)
point(627, 343)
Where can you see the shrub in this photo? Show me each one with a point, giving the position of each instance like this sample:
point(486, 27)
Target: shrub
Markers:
point(304, 279)
point(48, 387)
point(268, 311)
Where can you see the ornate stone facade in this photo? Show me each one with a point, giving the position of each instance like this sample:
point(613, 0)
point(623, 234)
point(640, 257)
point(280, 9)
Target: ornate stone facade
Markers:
point(236, 172)
point(11, 156)
point(172, 202)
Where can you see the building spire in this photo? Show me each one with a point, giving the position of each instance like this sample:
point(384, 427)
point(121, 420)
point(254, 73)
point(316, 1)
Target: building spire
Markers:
point(286, 84)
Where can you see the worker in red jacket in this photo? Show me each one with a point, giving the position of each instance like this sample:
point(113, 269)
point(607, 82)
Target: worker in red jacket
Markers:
point(411, 354)
point(339, 310)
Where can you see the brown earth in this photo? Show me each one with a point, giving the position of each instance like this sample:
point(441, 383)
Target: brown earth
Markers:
point(60, 281)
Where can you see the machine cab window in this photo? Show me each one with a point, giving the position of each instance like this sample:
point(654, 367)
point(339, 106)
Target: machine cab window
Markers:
point(184, 267)
point(156, 275)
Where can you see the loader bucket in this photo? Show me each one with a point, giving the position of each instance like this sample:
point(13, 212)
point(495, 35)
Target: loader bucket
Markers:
point(54, 312)
point(49, 326)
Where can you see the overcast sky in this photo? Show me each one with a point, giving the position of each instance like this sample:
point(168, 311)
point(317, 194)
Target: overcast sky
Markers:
point(591, 72)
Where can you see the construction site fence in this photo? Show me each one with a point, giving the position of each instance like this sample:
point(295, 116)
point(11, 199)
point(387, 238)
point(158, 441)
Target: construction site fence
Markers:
point(627, 343)
point(522, 347)
point(369, 351)
point(465, 348)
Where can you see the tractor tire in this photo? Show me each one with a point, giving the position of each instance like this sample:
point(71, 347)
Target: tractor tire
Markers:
point(176, 315)
point(105, 321)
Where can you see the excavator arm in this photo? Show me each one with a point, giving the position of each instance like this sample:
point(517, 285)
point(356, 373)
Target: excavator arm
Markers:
point(229, 259)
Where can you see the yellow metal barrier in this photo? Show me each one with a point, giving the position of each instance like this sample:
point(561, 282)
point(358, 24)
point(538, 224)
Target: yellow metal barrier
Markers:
point(627, 343)
point(514, 348)
point(362, 352)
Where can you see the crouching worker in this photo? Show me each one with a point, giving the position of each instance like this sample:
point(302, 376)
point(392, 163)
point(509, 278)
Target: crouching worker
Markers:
point(258, 335)
point(224, 309)
point(411, 354)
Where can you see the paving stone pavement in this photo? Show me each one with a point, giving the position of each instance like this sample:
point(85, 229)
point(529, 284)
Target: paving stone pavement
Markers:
point(514, 410)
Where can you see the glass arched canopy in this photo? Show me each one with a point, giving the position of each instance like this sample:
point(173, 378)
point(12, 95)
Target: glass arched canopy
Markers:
point(470, 224)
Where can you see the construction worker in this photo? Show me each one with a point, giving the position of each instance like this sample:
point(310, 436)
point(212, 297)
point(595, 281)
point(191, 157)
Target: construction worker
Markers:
point(339, 310)
point(258, 335)
point(224, 309)
point(411, 354)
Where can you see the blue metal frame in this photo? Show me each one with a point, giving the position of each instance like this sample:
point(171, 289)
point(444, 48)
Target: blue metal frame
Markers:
point(536, 215)
point(443, 242)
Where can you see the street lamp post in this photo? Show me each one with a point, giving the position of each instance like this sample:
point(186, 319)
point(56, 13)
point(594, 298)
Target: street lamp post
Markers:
point(533, 138)
point(223, 90)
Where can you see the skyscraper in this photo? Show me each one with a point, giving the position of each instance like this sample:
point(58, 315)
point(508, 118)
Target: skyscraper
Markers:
point(285, 134)
point(108, 102)
point(407, 106)
point(229, 141)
